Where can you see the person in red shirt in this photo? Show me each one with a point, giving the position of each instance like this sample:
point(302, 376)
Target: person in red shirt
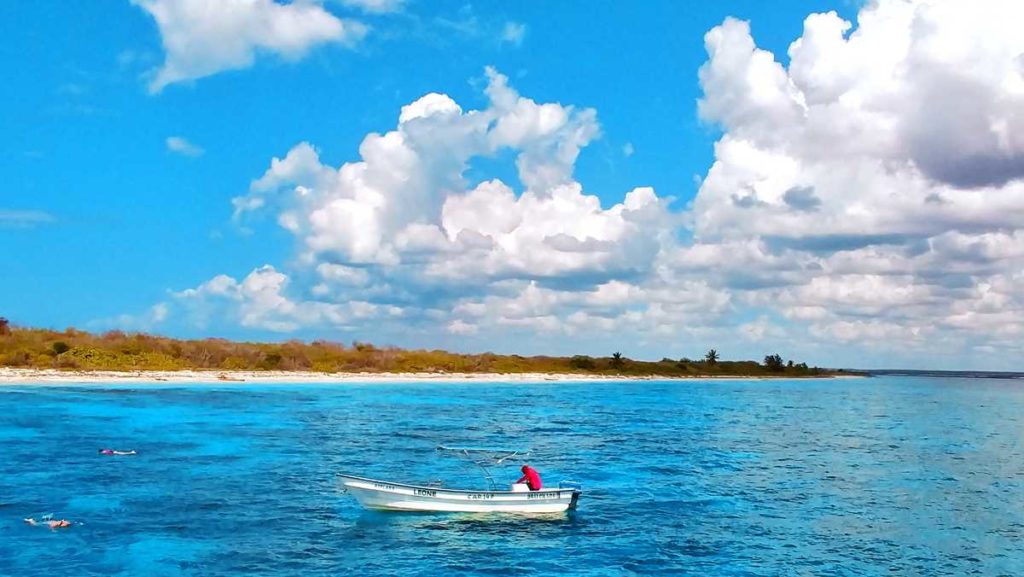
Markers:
point(532, 478)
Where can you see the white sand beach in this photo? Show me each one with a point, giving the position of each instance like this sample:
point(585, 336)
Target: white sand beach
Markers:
point(21, 376)
point(53, 376)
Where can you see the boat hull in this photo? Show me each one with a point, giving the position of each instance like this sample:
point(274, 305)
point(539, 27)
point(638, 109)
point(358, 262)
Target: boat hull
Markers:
point(388, 496)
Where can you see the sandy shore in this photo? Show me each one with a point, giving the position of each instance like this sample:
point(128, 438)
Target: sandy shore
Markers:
point(51, 376)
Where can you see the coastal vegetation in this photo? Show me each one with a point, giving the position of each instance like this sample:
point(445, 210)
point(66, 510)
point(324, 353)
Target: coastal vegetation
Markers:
point(73, 349)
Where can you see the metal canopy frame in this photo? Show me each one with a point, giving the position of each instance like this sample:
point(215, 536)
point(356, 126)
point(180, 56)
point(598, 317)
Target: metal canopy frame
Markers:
point(484, 457)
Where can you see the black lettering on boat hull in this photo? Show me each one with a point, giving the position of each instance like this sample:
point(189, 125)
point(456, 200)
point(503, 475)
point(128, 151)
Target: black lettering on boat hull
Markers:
point(542, 495)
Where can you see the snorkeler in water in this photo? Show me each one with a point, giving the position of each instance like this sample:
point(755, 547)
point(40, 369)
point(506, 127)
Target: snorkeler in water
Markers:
point(116, 452)
point(48, 521)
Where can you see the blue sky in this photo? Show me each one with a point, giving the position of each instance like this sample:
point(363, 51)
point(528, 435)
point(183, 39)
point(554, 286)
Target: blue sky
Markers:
point(116, 208)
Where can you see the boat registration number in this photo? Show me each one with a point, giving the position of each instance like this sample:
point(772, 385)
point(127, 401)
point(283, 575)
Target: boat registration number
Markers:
point(385, 486)
point(425, 493)
point(542, 495)
point(481, 496)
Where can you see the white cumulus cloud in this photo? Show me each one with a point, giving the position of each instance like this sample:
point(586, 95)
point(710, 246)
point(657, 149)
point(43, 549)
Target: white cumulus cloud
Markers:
point(261, 301)
point(407, 202)
point(202, 38)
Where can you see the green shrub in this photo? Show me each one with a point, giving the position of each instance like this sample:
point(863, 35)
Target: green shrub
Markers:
point(18, 358)
point(234, 364)
point(66, 362)
point(582, 362)
point(271, 361)
point(773, 363)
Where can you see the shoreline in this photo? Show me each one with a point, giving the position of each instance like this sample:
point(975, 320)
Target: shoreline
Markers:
point(17, 376)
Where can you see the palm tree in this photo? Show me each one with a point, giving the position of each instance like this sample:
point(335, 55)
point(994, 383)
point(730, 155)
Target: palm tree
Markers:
point(617, 360)
point(712, 357)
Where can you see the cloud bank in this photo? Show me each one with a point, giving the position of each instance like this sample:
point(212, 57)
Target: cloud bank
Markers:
point(401, 234)
point(866, 201)
point(876, 181)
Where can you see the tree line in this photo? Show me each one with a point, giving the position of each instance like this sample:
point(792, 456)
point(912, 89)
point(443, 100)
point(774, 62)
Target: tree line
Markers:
point(73, 349)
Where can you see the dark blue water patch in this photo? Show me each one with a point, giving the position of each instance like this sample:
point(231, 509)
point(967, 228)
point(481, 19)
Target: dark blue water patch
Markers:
point(883, 476)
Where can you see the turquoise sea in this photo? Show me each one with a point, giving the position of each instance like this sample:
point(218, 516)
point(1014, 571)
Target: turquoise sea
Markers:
point(882, 476)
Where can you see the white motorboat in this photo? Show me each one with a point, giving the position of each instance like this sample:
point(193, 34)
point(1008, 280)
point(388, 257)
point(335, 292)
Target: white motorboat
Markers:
point(392, 496)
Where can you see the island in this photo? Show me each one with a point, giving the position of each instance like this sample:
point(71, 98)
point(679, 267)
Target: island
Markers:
point(72, 354)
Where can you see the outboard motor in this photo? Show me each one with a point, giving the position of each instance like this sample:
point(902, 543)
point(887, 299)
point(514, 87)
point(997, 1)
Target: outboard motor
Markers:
point(577, 489)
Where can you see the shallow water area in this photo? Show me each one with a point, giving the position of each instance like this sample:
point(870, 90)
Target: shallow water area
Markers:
point(883, 476)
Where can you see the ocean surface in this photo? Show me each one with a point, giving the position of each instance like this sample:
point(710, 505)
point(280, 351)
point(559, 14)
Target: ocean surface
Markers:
point(884, 476)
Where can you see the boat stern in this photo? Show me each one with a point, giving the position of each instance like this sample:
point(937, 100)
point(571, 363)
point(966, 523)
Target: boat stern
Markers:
point(577, 490)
